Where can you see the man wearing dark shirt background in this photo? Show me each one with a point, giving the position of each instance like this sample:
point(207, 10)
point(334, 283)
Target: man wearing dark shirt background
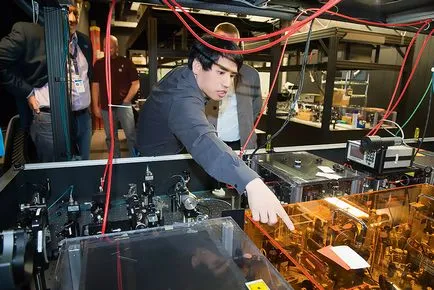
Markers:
point(125, 84)
point(24, 73)
point(174, 116)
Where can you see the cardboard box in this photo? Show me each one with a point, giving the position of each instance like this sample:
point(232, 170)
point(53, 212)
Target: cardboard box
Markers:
point(305, 115)
point(340, 99)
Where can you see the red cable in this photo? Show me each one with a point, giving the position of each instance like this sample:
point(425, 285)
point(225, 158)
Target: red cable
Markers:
point(408, 81)
point(119, 267)
point(109, 166)
point(290, 30)
point(329, 5)
point(398, 81)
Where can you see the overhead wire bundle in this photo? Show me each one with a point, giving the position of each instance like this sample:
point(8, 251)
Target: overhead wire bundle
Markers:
point(285, 32)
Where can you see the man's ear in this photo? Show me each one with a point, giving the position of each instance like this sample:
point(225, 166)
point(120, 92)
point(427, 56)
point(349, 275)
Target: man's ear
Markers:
point(196, 67)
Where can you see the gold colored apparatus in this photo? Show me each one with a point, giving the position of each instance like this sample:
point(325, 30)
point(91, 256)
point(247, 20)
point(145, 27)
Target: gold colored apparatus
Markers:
point(393, 230)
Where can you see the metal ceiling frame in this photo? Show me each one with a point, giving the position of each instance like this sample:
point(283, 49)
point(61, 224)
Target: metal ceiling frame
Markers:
point(229, 7)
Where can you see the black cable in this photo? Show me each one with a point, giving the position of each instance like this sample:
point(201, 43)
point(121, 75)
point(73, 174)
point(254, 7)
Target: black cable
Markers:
point(68, 82)
point(428, 114)
point(297, 96)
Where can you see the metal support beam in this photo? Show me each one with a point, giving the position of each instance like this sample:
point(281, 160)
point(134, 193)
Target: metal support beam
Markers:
point(184, 39)
point(152, 50)
point(272, 103)
point(400, 52)
point(347, 52)
point(233, 7)
point(416, 14)
point(323, 46)
point(330, 82)
point(164, 52)
point(403, 105)
point(56, 39)
point(377, 53)
point(140, 28)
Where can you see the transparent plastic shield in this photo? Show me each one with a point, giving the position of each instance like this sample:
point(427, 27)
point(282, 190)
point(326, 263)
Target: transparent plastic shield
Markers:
point(214, 254)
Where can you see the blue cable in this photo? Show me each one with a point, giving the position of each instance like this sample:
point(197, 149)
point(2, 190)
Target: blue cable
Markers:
point(2, 146)
point(432, 78)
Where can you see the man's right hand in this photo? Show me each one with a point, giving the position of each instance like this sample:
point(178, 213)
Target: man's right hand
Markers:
point(97, 112)
point(33, 104)
point(264, 204)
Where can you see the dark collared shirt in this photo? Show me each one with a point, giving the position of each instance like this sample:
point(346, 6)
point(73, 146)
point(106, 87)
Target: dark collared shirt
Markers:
point(173, 116)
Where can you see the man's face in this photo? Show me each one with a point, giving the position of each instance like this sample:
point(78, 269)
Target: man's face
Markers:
point(113, 47)
point(216, 82)
point(72, 19)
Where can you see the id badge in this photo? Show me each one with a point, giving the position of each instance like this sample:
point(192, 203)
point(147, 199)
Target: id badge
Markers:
point(79, 86)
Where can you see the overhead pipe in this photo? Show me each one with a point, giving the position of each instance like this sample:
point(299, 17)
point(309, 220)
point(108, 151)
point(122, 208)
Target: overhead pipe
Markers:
point(229, 7)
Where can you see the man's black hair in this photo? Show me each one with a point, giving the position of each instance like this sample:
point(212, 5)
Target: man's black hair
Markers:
point(207, 56)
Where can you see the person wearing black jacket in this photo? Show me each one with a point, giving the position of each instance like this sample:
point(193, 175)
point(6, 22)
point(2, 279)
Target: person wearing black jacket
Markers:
point(24, 74)
point(173, 117)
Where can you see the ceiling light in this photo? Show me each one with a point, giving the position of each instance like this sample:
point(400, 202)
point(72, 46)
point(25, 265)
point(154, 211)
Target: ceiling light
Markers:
point(135, 6)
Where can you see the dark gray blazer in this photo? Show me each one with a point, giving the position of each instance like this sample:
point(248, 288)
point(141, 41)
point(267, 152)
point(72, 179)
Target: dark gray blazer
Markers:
point(173, 116)
point(23, 63)
point(249, 103)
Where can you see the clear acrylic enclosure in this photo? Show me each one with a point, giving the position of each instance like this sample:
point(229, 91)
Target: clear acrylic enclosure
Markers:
point(213, 254)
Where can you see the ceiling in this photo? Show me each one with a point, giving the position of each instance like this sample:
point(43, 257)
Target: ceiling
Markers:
point(376, 10)
point(390, 11)
point(239, 11)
